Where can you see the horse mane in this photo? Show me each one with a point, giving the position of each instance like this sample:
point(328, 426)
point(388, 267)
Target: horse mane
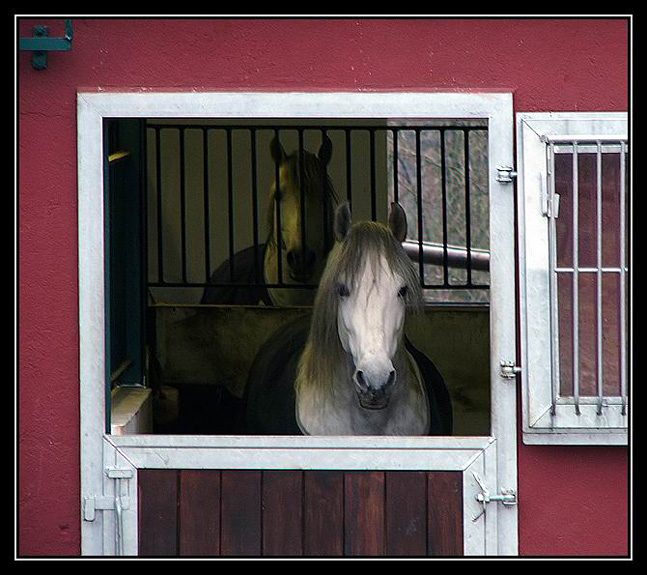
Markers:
point(313, 170)
point(365, 242)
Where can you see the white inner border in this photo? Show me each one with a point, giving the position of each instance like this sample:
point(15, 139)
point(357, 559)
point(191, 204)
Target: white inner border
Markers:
point(493, 458)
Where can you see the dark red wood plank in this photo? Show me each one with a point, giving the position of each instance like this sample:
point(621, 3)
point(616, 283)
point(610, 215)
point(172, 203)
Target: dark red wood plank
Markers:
point(323, 514)
point(364, 503)
point(157, 501)
point(406, 513)
point(199, 513)
point(445, 513)
point(240, 521)
point(282, 513)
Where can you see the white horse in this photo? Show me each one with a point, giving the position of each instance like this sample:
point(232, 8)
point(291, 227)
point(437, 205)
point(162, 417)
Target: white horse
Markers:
point(353, 372)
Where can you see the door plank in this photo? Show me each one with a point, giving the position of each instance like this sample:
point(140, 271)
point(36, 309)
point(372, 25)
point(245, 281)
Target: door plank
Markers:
point(240, 521)
point(364, 513)
point(199, 513)
point(157, 499)
point(445, 513)
point(282, 513)
point(406, 513)
point(323, 520)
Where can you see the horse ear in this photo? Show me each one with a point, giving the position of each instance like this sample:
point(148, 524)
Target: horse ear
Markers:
point(398, 222)
point(342, 221)
point(325, 152)
point(277, 151)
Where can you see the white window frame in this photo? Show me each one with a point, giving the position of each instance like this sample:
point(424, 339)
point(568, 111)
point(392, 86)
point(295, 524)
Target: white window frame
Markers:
point(109, 463)
point(541, 423)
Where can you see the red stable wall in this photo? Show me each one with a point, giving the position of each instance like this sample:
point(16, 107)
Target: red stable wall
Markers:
point(573, 501)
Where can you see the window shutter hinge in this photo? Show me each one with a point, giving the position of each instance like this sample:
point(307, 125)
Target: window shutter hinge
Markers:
point(507, 497)
point(505, 174)
point(509, 370)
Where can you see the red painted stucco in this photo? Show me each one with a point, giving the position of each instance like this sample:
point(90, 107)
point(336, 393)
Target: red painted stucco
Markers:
point(573, 500)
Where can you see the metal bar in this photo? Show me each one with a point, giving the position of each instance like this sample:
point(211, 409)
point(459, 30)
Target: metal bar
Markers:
point(623, 287)
point(421, 260)
point(349, 183)
point(326, 199)
point(468, 218)
point(443, 179)
point(277, 206)
point(395, 135)
point(576, 283)
point(230, 204)
point(158, 183)
point(554, 337)
point(207, 203)
point(313, 126)
point(302, 195)
point(182, 136)
point(584, 138)
point(605, 270)
point(372, 176)
point(458, 257)
point(252, 135)
point(600, 382)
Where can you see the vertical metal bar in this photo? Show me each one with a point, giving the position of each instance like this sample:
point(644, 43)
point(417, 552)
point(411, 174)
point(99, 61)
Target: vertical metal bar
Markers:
point(302, 192)
point(576, 282)
point(349, 183)
point(623, 279)
point(600, 382)
point(277, 208)
point(182, 136)
point(326, 198)
point(230, 204)
point(468, 218)
point(395, 134)
point(443, 180)
point(207, 203)
point(421, 264)
point(252, 135)
point(158, 183)
point(372, 176)
point(554, 300)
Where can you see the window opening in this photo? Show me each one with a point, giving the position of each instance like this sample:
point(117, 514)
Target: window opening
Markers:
point(206, 190)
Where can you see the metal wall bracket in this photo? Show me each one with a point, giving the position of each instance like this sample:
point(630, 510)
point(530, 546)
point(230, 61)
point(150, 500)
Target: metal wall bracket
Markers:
point(509, 370)
point(40, 43)
point(505, 174)
point(507, 496)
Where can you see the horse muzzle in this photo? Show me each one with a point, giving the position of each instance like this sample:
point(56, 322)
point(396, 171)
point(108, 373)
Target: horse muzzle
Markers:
point(371, 396)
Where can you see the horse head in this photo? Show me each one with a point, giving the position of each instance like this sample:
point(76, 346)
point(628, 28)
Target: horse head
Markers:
point(301, 211)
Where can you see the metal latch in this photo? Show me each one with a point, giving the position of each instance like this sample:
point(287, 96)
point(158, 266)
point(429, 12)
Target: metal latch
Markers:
point(505, 174)
point(509, 370)
point(507, 496)
point(117, 502)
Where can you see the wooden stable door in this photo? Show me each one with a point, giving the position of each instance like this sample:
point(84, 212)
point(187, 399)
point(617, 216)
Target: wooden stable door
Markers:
point(300, 513)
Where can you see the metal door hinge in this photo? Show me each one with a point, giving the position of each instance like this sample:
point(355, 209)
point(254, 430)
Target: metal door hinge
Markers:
point(505, 174)
point(549, 202)
point(507, 496)
point(509, 370)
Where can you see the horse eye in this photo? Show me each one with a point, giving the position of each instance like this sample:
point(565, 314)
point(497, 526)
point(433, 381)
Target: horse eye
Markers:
point(403, 291)
point(342, 290)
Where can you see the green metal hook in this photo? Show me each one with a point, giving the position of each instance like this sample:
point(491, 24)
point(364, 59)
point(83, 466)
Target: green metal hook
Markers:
point(41, 43)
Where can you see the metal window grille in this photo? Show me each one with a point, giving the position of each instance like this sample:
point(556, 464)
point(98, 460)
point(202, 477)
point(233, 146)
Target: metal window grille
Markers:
point(586, 203)
point(208, 177)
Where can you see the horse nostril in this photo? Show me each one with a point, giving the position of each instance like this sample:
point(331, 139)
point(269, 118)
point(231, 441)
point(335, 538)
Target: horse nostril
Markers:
point(391, 380)
point(359, 375)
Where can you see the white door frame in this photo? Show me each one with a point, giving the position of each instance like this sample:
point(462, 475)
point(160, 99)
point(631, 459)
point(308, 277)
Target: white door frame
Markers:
point(109, 463)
